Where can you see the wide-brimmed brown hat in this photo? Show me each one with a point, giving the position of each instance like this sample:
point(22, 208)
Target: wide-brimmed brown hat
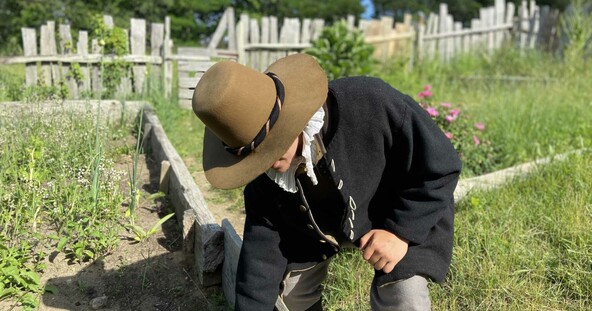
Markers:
point(236, 104)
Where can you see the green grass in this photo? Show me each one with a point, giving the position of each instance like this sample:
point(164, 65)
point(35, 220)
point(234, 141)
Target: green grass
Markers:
point(526, 246)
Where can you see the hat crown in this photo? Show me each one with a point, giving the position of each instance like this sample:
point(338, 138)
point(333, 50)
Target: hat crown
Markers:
point(234, 101)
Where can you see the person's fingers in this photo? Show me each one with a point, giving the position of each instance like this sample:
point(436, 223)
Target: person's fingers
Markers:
point(388, 267)
point(368, 252)
point(380, 264)
point(364, 240)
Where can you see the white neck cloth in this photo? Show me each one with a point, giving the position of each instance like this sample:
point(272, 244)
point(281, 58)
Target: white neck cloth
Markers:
point(287, 180)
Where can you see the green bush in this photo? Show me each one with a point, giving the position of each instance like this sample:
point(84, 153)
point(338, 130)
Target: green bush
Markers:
point(468, 136)
point(342, 52)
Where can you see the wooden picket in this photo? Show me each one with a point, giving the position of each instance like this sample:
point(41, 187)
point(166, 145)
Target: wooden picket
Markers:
point(260, 43)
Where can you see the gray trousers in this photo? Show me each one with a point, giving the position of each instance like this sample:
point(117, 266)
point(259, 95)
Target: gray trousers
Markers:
point(302, 290)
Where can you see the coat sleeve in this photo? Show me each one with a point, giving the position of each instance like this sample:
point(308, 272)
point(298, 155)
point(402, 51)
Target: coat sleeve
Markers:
point(261, 265)
point(429, 167)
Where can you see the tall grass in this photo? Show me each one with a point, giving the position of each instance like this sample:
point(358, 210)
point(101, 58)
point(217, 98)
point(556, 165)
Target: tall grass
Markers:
point(526, 246)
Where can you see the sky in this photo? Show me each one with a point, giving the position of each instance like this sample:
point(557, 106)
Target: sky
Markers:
point(367, 4)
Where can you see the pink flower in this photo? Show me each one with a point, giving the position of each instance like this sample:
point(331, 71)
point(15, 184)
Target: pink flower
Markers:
point(476, 140)
point(454, 112)
point(449, 135)
point(424, 94)
point(446, 105)
point(432, 112)
point(450, 118)
point(427, 87)
point(480, 126)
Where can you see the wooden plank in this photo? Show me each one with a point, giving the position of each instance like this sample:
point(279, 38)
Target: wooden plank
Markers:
point(189, 82)
point(254, 62)
point(219, 32)
point(194, 66)
point(232, 246)
point(185, 195)
point(499, 18)
point(510, 8)
point(108, 20)
point(231, 30)
point(442, 17)
point(95, 58)
point(168, 64)
point(44, 50)
point(186, 104)
point(30, 49)
point(273, 37)
point(306, 28)
point(433, 24)
point(156, 46)
point(66, 48)
point(421, 29)
point(533, 19)
point(53, 50)
point(125, 85)
point(351, 20)
point(458, 39)
point(185, 93)
point(317, 28)
point(242, 37)
point(96, 70)
point(163, 185)
point(82, 50)
point(265, 37)
point(138, 47)
point(491, 25)
point(522, 25)
point(450, 40)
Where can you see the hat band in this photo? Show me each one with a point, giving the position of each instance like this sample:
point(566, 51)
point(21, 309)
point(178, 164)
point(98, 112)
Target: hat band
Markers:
point(275, 112)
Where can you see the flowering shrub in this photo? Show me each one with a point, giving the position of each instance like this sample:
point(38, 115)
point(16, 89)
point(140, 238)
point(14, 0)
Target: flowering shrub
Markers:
point(469, 137)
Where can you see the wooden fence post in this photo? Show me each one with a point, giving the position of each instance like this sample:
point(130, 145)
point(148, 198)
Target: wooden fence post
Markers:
point(156, 47)
point(138, 47)
point(96, 85)
point(442, 29)
point(66, 47)
point(30, 49)
point(255, 59)
point(82, 50)
point(168, 63)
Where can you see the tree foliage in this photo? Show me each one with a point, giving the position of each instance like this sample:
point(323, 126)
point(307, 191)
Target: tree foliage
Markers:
point(461, 10)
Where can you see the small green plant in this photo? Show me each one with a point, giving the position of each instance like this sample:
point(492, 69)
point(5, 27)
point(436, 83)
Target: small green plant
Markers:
point(140, 234)
point(112, 41)
point(468, 137)
point(576, 25)
point(342, 52)
point(19, 274)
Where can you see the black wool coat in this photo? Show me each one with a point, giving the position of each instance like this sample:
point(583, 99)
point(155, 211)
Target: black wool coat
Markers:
point(387, 166)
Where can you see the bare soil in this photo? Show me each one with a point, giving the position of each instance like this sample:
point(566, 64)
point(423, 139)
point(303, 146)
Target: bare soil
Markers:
point(150, 275)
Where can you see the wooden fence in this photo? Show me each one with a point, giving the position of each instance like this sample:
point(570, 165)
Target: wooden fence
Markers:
point(258, 43)
point(444, 38)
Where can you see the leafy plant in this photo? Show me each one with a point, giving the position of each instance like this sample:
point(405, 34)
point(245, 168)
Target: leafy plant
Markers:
point(576, 25)
point(341, 52)
point(113, 41)
point(141, 234)
point(19, 274)
point(469, 137)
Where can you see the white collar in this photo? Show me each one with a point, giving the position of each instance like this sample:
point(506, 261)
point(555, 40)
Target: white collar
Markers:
point(287, 180)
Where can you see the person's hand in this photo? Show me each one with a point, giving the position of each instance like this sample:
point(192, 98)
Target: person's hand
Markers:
point(383, 249)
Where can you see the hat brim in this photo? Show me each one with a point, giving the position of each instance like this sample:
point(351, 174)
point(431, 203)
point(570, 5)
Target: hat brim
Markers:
point(306, 88)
